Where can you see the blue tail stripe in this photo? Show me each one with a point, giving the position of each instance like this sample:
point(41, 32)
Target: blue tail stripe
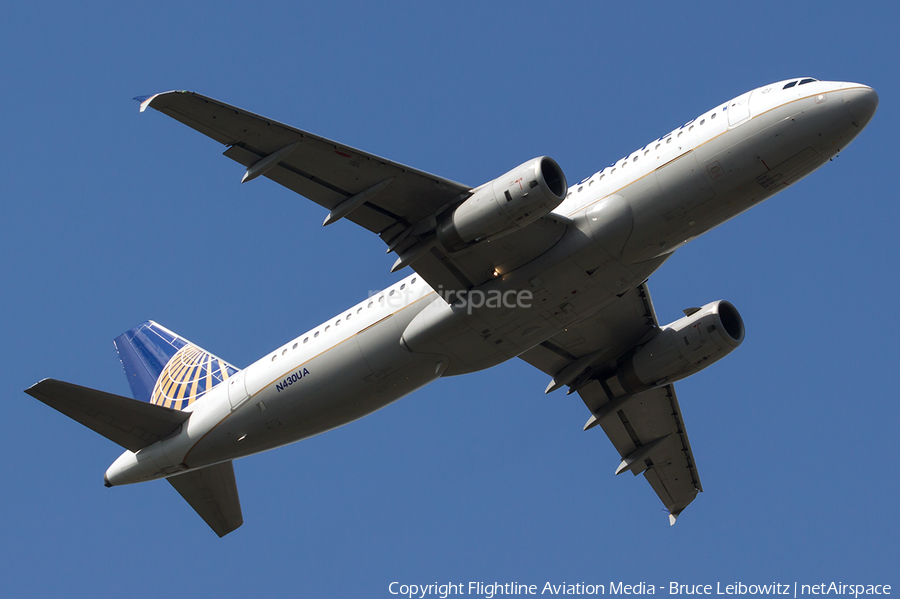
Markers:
point(146, 353)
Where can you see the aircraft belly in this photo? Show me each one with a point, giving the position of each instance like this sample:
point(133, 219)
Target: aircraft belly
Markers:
point(573, 281)
point(353, 379)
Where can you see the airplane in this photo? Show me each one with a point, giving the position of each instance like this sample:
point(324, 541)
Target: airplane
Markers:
point(524, 266)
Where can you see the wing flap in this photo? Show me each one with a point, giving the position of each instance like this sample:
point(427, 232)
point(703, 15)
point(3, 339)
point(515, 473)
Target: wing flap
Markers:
point(212, 492)
point(131, 423)
point(670, 469)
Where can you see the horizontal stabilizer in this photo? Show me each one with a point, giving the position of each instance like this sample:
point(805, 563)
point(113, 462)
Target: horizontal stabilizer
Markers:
point(131, 423)
point(212, 492)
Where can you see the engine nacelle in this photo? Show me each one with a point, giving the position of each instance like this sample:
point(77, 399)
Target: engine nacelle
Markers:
point(505, 204)
point(683, 348)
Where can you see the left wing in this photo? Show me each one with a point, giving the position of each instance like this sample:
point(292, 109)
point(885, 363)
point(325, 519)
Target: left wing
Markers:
point(647, 429)
point(402, 205)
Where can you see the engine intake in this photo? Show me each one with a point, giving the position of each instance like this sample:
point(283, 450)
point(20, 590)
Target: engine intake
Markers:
point(509, 202)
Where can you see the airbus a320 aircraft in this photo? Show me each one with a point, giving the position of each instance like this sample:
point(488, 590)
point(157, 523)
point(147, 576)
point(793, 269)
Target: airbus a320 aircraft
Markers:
point(522, 266)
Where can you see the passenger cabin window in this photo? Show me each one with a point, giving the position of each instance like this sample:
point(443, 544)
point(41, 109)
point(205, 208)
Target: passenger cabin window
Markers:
point(791, 84)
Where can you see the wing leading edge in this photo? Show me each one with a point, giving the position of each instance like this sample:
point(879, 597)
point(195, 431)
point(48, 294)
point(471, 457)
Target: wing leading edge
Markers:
point(647, 429)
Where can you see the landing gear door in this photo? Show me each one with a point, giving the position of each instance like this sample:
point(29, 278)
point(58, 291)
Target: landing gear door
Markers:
point(237, 390)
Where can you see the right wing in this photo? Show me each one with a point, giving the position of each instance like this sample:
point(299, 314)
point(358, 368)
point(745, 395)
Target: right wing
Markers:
point(400, 204)
point(647, 430)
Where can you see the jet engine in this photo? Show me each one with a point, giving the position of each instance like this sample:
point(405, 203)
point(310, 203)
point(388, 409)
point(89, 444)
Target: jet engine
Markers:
point(507, 203)
point(683, 348)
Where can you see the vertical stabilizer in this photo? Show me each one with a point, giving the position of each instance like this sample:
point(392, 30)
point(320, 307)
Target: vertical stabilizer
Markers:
point(166, 369)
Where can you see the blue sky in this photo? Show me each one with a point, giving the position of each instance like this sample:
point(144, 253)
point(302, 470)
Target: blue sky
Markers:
point(111, 218)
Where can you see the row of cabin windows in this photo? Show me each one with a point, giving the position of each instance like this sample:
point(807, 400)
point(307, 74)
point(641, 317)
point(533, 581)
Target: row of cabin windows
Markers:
point(690, 128)
point(624, 162)
point(347, 317)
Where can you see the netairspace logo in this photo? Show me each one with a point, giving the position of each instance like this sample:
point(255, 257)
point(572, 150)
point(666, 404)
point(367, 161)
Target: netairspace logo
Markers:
point(461, 300)
point(489, 590)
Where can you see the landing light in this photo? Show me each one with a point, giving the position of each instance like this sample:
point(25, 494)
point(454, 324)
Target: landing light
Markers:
point(242, 437)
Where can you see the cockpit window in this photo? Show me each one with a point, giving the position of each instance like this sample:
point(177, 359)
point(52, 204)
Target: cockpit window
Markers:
point(805, 81)
point(791, 84)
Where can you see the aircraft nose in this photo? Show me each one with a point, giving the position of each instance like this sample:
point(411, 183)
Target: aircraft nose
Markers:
point(861, 101)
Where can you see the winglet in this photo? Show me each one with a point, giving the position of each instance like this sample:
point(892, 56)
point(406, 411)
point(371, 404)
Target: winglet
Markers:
point(673, 516)
point(145, 101)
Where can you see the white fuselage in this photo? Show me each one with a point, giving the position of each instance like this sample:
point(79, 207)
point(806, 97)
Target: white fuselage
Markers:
point(624, 222)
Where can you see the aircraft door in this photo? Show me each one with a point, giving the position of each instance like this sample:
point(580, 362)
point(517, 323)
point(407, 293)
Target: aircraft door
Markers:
point(739, 110)
point(237, 390)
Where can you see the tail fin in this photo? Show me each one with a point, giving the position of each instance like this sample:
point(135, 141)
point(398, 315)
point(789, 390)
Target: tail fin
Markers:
point(166, 369)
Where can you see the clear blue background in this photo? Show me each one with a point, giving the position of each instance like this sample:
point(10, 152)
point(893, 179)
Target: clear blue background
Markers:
point(111, 217)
